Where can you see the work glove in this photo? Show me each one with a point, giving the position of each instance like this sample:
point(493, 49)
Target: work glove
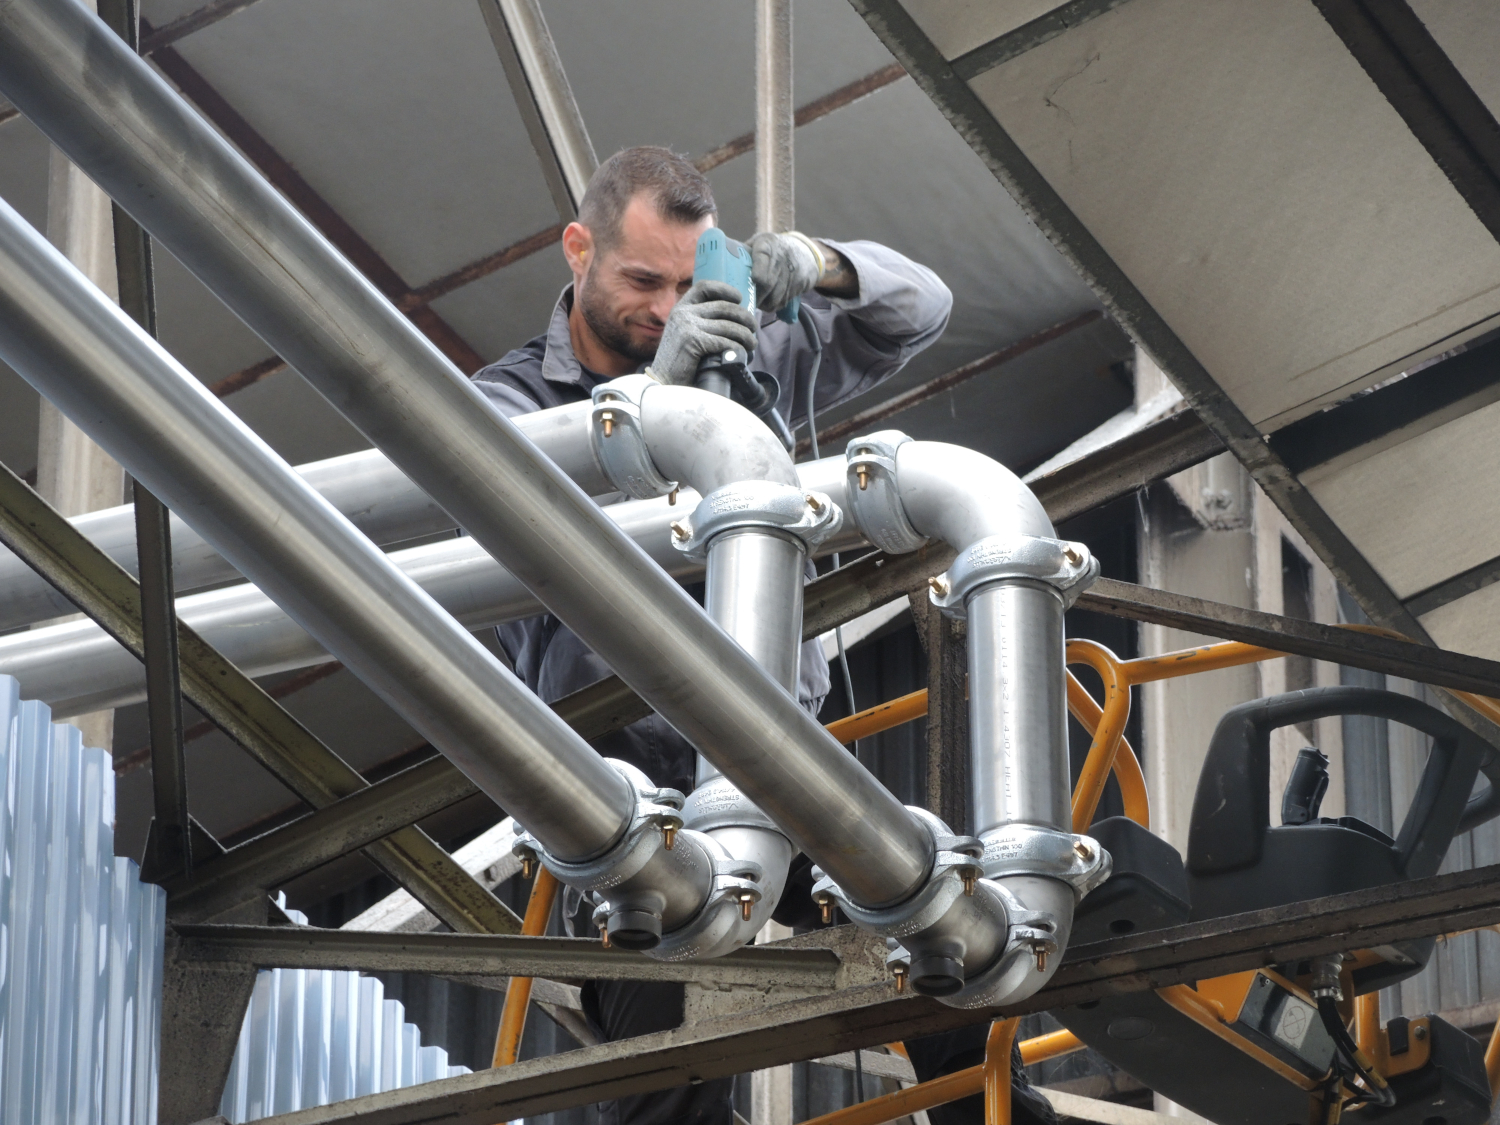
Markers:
point(708, 319)
point(783, 266)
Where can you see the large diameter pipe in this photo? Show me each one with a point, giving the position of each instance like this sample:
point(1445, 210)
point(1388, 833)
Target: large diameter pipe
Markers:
point(83, 353)
point(112, 115)
point(75, 667)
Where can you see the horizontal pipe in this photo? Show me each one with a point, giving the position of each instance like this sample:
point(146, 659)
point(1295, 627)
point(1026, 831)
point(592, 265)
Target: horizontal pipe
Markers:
point(75, 667)
point(81, 352)
point(376, 497)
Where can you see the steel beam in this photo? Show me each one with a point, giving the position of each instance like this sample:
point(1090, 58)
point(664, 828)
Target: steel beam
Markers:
point(866, 420)
point(304, 947)
point(1396, 50)
point(1423, 663)
point(374, 813)
point(863, 1016)
point(540, 87)
point(100, 587)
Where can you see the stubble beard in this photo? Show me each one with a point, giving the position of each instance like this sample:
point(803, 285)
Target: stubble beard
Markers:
point(604, 324)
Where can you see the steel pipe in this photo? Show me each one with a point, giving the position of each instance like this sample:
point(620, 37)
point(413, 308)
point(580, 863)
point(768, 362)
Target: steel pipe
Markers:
point(376, 496)
point(112, 115)
point(127, 393)
point(775, 124)
point(75, 667)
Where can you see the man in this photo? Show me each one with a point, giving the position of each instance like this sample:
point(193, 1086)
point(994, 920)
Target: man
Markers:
point(632, 306)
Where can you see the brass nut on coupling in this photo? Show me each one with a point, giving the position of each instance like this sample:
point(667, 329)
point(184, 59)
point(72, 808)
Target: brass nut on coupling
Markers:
point(672, 497)
point(863, 474)
point(604, 935)
point(669, 836)
point(747, 904)
point(939, 586)
point(899, 972)
point(528, 865)
point(825, 910)
point(970, 878)
point(1083, 851)
point(1041, 959)
point(608, 420)
point(680, 530)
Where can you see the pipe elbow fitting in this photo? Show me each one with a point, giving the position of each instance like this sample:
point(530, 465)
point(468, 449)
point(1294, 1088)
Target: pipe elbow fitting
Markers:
point(649, 438)
point(673, 892)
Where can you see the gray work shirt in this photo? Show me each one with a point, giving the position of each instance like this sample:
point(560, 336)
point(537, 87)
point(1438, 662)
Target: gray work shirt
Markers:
point(901, 308)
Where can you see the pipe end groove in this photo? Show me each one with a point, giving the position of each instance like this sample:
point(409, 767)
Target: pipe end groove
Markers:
point(634, 929)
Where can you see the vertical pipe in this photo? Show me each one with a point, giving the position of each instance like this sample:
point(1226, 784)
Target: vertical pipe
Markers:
point(775, 201)
point(1017, 707)
point(753, 590)
point(775, 207)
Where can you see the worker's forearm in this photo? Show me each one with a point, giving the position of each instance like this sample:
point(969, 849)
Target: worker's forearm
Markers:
point(838, 278)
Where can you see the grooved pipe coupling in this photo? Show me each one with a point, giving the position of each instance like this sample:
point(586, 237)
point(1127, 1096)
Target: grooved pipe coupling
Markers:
point(1069, 568)
point(619, 444)
point(874, 499)
point(948, 937)
point(809, 516)
point(1029, 849)
point(669, 890)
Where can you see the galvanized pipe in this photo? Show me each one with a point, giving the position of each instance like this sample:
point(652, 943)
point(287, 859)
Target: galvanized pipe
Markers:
point(376, 496)
point(126, 392)
point(75, 667)
point(112, 115)
point(1018, 708)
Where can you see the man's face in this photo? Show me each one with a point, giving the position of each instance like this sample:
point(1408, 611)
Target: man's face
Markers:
point(626, 291)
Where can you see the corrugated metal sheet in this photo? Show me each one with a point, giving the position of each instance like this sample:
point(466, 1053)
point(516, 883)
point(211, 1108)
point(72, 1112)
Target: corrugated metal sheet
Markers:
point(80, 935)
point(315, 1036)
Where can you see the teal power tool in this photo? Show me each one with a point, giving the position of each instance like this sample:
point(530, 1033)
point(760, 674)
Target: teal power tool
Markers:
point(721, 258)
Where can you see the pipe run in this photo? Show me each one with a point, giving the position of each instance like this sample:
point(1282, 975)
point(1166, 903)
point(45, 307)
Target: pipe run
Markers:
point(136, 138)
point(1013, 581)
point(75, 667)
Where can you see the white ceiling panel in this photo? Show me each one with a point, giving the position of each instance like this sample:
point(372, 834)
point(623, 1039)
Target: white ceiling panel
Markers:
point(1257, 188)
point(1468, 625)
point(399, 115)
point(1426, 509)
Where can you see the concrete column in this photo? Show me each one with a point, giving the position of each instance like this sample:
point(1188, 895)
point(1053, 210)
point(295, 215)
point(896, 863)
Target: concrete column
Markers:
point(771, 1090)
point(74, 474)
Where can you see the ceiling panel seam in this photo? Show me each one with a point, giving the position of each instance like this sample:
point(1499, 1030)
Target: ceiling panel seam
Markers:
point(911, 46)
point(1003, 48)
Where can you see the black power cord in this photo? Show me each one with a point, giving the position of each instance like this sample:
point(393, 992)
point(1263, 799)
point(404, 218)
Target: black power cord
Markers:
point(1348, 1057)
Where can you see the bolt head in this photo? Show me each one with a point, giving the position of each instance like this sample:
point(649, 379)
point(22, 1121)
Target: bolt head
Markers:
point(939, 586)
point(1083, 851)
point(1420, 1031)
point(1073, 555)
point(679, 529)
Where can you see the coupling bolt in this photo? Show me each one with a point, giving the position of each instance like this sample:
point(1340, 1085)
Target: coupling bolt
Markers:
point(527, 863)
point(608, 419)
point(969, 880)
point(1085, 853)
point(747, 902)
point(679, 530)
point(1041, 958)
point(939, 586)
point(669, 836)
point(672, 497)
point(864, 477)
point(899, 972)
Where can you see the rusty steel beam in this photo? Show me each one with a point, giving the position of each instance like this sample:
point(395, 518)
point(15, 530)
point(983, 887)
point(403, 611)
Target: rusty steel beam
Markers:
point(280, 172)
point(412, 301)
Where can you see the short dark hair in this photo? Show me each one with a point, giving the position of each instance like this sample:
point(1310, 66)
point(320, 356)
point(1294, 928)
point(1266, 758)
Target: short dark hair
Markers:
point(678, 189)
